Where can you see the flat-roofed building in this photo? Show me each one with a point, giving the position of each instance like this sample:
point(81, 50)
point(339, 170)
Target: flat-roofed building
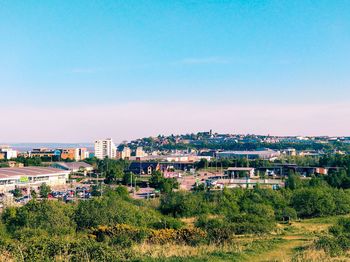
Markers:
point(259, 154)
point(68, 153)
point(73, 166)
point(7, 152)
point(33, 177)
point(45, 152)
point(105, 148)
point(237, 172)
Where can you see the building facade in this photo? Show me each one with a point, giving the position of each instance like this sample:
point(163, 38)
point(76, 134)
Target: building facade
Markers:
point(31, 177)
point(105, 148)
point(7, 153)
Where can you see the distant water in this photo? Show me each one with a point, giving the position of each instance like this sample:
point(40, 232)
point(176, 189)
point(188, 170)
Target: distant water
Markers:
point(24, 147)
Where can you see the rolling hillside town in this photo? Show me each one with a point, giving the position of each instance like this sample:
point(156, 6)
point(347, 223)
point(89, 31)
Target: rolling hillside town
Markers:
point(206, 196)
point(206, 159)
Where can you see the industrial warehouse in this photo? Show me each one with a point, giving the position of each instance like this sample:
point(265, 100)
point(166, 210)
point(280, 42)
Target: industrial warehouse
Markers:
point(33, 177)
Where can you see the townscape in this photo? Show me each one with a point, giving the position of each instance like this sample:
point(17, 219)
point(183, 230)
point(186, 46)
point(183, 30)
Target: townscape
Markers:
point(174, 131)
point(231, 185)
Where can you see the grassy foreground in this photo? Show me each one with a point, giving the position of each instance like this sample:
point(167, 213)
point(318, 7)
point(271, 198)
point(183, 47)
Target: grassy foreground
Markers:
point(291, 242)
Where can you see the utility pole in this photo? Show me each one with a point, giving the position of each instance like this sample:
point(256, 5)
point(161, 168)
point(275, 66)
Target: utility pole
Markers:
point(131, 181)
point(135, 186)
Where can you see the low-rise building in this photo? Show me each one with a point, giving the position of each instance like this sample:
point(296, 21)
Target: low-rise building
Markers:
point(143, 168)
point(15, 164)
point(68, 153)
point(139, 152)
point(76, 154)
point(31, 177)
point(45, 152)
point(237, 172)
point(73, 166)
point(6, 152)
point(267, 154)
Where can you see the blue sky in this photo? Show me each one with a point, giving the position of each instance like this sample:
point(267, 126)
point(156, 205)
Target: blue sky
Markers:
point(147, 55)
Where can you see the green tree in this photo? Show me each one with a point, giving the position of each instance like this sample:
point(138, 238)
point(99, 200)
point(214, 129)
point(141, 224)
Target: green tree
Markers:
point(166, 185)
point(293, 181)
point(33, 194)
point(45, 190)
point(313, 202)
point(17, 192)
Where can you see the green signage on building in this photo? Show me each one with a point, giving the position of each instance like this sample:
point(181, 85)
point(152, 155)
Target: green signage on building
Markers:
point(24, 179)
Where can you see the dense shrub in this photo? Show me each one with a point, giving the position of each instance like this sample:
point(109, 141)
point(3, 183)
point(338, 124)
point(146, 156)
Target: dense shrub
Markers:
point(113, 209)
point(312, 202)
point(130, 234)
point(218, 230)
point(338, 241)
point(53, 217)
point(120, 234)
point(183, 204)
point(62, 249)
point(189, 236)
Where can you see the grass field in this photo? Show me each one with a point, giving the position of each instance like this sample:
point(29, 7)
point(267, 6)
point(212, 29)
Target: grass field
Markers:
point(290, 242)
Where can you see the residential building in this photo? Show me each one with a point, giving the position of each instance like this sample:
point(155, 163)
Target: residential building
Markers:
point(143, 168)
point(105, 148)
point(125, 153)
point(139, 152)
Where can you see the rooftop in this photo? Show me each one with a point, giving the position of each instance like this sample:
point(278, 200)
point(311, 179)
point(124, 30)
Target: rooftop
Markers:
point(240, 169)
point(27, 171)
point(74, 165)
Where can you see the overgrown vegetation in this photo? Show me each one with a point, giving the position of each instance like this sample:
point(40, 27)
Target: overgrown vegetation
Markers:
point(115, 227)
point(109, 228)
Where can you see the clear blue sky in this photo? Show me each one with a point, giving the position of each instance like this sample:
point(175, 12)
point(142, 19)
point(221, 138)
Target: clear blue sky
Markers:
point(77, 54)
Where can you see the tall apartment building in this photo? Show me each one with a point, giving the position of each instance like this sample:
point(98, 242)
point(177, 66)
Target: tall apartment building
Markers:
point(105, 148)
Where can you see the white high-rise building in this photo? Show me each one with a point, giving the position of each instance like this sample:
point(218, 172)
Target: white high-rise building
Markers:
point(105, 148)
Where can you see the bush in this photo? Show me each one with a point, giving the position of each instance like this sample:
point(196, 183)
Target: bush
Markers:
point(189, 236)
point(167, 222)
point(53, 217)
point(313, 202)
point(183, 204)
point(339, 240)
point(126, 235)
point(120, 234)
point(114, 209)
point(218, 230)
point(329, 245)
